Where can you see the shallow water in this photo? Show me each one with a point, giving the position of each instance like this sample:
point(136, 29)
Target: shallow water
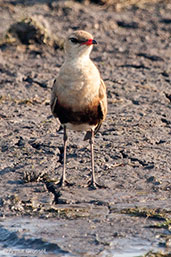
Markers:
point(38, 237)
point(130, 247)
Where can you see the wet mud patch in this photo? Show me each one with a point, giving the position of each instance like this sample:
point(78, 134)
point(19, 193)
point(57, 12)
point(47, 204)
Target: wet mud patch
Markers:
point(68, 237)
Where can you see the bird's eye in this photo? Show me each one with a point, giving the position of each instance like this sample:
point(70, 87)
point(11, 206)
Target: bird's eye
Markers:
point(74, 40)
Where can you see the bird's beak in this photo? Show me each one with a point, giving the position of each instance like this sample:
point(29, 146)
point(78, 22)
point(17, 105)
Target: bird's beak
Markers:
point(94, 42)
point(89, 42)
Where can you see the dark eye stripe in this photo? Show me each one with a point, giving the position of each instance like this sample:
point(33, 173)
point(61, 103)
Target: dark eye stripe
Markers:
point(74, 40)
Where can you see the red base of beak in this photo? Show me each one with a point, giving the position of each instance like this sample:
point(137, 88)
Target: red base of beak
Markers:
point(90, 42)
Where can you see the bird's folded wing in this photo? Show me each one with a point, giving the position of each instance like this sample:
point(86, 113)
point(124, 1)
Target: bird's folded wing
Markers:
point(54, 99)
point(102, 109)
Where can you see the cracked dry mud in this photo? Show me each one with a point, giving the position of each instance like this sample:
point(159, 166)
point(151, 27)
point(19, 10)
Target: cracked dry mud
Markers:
point(132, 149)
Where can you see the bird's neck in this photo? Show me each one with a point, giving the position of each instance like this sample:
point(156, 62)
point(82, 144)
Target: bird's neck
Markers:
point(78, 55)
point(80, 60)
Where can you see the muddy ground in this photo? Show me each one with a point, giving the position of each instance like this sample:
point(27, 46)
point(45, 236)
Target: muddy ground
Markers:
point(132, 149)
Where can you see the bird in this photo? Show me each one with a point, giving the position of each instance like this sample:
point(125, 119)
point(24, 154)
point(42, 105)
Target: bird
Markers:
point(78, 96)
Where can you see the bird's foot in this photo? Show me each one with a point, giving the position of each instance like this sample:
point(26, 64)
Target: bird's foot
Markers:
point(94, 185)
point(64, 183)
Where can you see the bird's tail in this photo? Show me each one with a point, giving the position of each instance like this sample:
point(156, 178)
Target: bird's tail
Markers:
point(88, 134)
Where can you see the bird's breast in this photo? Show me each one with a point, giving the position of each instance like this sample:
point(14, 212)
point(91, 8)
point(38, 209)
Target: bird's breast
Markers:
point(78, 85)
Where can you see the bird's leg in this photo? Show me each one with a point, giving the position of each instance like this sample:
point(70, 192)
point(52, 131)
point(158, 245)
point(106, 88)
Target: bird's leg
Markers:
point(64, 164)
point(93, 184)
point(63, 182)
point(93, 181)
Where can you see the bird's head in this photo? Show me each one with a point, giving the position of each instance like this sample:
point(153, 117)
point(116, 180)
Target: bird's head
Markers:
point(79, 43)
